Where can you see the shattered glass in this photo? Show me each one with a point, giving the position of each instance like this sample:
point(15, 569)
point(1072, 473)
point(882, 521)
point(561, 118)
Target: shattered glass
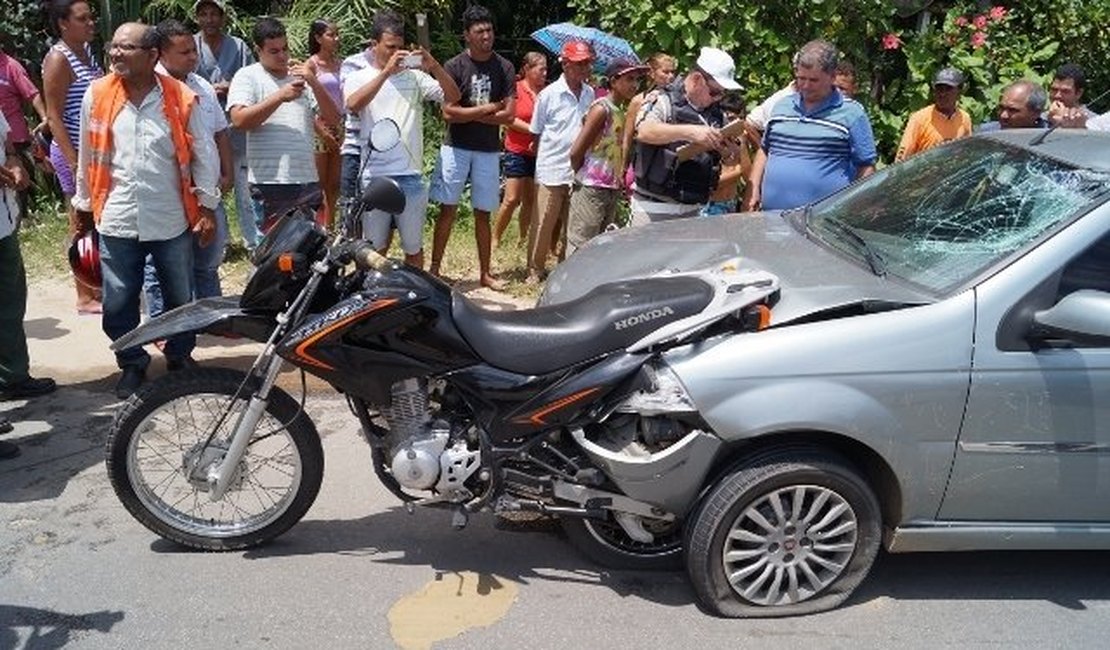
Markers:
point(940, 218)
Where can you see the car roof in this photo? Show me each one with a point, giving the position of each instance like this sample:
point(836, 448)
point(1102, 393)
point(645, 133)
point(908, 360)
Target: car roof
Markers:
point(1076, 147)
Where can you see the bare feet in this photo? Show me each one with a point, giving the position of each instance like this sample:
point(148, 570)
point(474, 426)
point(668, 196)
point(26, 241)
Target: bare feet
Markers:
point(89, 307)
point(491, 282)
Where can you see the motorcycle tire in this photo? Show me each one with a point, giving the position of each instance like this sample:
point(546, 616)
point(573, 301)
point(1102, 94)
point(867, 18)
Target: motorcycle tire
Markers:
point(606, 543)
point(789, 532)
point(157, 429)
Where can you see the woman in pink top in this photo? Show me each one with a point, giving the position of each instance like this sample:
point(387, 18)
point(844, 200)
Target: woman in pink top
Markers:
point(323, 46)
point(519, 159)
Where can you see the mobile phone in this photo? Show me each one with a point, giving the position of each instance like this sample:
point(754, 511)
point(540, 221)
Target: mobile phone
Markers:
point(412, 61)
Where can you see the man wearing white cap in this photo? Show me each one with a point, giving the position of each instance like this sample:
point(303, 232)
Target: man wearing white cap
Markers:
point(686, 111)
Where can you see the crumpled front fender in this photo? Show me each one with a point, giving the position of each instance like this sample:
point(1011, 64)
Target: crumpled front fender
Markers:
point(221, 316)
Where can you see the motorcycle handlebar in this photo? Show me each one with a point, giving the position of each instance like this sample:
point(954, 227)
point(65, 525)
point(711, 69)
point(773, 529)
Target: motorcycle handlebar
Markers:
point(366, 258)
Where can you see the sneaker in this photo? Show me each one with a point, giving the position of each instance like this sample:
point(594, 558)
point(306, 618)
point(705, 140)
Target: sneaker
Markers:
point(30, 387)
point(182, 363)
point(130, 381)
point(8, 450)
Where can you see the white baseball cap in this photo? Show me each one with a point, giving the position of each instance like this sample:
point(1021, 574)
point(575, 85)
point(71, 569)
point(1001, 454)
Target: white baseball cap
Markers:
point(718, 64)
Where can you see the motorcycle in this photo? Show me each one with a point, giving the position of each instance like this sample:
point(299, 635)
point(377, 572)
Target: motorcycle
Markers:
point(568, 410)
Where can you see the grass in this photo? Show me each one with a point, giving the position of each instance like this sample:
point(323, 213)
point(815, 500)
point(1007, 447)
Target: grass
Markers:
point(45, 242)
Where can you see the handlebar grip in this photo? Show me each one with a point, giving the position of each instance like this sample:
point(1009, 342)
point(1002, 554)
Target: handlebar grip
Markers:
point(365, 258)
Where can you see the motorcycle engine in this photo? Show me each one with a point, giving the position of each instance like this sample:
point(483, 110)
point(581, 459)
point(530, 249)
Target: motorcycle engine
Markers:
point(423, 455)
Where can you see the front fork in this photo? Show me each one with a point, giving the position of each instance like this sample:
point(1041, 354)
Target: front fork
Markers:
point(220, 475)
point(267, 365)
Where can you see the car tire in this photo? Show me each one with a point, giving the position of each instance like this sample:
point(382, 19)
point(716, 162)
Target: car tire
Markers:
point(786, 533)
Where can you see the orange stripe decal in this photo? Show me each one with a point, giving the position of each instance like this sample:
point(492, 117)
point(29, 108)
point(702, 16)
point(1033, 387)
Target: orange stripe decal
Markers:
point(302, 349)
point(537, 417)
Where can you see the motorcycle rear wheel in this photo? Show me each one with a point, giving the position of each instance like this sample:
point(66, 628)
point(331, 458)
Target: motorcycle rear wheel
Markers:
point(161, 430)
point(606, 543)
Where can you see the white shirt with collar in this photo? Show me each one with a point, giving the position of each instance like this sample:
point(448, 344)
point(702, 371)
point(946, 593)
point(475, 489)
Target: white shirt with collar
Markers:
point(557, 120)
point(144, 202)
point(209, 105)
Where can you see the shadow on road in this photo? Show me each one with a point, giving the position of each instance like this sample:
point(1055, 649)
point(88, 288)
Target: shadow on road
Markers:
point(49, 629)
point(532, 553)
point(1063, 578)
point(426, 539)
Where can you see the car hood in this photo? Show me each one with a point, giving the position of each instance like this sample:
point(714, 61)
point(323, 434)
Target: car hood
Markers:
point(812, 278)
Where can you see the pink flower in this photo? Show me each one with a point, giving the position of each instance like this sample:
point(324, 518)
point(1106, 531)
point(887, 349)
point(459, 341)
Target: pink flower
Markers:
point(980, 21)
point(978, 39)
point(961, 21)
point(998, 13)
point(891, 42)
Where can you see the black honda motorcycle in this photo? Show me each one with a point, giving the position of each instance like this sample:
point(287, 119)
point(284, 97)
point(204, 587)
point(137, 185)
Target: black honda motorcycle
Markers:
point(566, 410)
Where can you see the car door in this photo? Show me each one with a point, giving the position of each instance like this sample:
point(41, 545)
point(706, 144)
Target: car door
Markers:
point(1035, 442)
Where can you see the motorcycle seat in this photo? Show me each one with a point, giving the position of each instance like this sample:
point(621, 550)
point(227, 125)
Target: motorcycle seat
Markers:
point(610, 317)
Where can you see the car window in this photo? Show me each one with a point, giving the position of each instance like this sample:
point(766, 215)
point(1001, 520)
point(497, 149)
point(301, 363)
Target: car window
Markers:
point(941, 218)
point(1090, 270)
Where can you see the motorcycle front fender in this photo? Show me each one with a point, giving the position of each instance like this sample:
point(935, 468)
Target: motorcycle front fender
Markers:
point(221, 316)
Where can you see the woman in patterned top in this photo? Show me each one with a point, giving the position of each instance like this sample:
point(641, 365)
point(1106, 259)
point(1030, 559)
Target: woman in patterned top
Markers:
point(597, 156)
point(67, 71)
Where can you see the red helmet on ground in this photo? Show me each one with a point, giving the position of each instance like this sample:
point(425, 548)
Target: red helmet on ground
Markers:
point(84, 258)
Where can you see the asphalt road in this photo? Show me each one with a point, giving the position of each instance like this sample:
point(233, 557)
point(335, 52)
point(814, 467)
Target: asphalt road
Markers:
point(359, 572)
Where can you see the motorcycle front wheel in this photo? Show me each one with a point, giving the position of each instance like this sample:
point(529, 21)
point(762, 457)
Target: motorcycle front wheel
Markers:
point(156, 458)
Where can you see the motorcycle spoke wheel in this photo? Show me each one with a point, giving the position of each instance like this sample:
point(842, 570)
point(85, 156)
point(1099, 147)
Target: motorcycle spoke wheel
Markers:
point(606, 543)
point(262, 488)
point(158, 462)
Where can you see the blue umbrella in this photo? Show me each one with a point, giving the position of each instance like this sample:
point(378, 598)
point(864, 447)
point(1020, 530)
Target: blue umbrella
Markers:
point(606, 47)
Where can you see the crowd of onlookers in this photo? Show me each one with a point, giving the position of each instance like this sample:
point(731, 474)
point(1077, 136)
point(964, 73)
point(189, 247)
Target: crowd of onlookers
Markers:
point(145, 153)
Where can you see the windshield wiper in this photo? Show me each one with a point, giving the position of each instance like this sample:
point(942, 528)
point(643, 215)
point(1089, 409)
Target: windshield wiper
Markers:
point(878, 267)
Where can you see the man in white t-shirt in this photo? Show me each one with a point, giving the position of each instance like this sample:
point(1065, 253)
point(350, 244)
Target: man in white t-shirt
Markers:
point(268, 101)
point(394, 87)
point(177, 56)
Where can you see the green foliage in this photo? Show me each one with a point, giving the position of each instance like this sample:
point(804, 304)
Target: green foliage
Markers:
point(22, 35)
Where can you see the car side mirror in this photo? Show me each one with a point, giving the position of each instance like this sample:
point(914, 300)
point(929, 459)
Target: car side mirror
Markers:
point(1082, 317)
point(384, 194)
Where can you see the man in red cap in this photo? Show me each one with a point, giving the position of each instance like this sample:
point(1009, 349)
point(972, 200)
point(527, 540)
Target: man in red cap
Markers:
point(556, 120)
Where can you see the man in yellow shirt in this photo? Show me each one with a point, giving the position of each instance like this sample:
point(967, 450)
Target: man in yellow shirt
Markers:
point(944, 120)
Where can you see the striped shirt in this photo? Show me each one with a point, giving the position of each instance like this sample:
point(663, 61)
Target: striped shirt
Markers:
point(83, 75)
point(812, 154)
point(352, 125)
point(279, 151)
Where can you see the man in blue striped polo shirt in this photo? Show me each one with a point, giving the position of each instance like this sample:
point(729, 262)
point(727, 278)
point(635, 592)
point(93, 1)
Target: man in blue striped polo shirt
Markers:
point(816, 141)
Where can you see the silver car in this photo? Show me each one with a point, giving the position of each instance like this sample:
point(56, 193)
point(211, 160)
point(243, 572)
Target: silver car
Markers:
point(937, 366)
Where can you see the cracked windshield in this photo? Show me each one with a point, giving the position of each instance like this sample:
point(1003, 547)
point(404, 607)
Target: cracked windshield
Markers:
point(942, 217)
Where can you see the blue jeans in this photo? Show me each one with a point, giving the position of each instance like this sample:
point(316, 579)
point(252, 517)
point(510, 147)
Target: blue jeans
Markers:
point(349, 187)
point(121, 262)
point(244, 205)
point(277, 199)
point(206, 269)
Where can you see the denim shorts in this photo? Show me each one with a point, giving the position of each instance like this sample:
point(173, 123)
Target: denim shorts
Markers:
point(455, 166)
point(517, 165)
point(376, 224)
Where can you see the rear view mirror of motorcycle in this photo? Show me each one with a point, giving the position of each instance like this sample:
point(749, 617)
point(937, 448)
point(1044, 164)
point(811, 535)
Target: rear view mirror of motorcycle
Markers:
point(383, 194)
point(384, 135)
